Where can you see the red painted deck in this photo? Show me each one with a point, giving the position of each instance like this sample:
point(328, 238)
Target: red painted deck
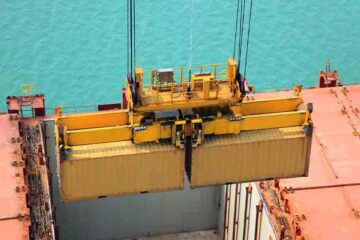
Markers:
point(330, 197)
point(13, 210)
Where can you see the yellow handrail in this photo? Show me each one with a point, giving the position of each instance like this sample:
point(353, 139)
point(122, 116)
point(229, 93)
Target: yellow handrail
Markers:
point(180, 78)
point(26, 89)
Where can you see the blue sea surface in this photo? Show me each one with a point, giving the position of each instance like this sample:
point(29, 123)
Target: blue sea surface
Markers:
point(75, 51)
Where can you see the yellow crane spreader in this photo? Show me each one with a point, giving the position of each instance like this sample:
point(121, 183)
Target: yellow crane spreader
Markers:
point(194, 119)
point(203, 123)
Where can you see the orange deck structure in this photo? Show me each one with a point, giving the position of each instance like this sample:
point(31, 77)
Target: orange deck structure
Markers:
point(25, 203)
point(330, 196)
point(326, 204)
point(36, 103)
point(14, 214)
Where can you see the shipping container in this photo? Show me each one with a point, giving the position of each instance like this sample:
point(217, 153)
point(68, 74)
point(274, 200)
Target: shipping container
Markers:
point(251, 155)
point(120, 168)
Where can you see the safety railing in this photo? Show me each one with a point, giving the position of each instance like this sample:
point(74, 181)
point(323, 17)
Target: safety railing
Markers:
point(73, 109)
point(178, 85)
point(182, 74)
point(27, 89)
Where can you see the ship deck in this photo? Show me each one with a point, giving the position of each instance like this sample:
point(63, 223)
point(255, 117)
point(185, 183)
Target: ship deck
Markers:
point(330, 196)
point(326, 204)
point(25, 204)
point(13, 209)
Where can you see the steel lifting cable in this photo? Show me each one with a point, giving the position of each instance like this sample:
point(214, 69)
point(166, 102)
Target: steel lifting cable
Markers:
point(191, 37)
point(242, 17)
point(248, 38)
point(134, 34)
point(127, 36)
point(131, 37)
point(236, 27)
point(131, 47)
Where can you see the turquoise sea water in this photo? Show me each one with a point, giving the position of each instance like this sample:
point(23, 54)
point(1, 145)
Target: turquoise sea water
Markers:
point(76, 50)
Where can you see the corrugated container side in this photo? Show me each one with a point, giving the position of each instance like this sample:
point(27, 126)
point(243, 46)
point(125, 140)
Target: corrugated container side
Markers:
point(250, 156)
point(236, 227)
point(93, 173)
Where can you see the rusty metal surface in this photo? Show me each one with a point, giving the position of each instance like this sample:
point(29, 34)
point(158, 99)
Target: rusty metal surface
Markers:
point(326, 205)
point(14, 213)
point(37, 179)
point(23, 181)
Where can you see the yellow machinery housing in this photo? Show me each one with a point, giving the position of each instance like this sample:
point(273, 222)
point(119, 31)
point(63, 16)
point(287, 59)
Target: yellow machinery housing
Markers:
point(168, 108)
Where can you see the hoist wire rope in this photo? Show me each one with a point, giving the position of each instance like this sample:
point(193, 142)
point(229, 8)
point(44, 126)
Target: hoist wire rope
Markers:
point(242, 17)
point(236, 27)
point(134, 34)
point(191, 37)
point(131, 37)
point(127, 37)
point(248, 37)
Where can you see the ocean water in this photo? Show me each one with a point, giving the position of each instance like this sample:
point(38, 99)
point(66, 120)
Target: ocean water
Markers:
point(75, 51)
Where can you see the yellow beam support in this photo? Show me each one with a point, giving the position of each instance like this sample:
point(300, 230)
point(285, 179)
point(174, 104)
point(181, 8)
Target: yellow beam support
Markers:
point(254, 122)
point(165, 131)
point(94, 120)
point(155, 132)
point(98, 135)
point(246, 108)
point(231, 70)
point(275, 105)
point(273, 120)
point(183, 105)
point(150, 133)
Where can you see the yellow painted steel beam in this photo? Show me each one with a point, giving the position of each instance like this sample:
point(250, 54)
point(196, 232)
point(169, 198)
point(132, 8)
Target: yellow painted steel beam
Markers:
point(255, 122)
point(120, 125)
point(95, 119)
point(274, 105)
point(246, 108)
point(150, 133)
point(156, 131)
point(183, 105)
point(98, 135)
point(274, 120)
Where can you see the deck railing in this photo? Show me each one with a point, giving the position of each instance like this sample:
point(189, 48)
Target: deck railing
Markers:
point(181, 74)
